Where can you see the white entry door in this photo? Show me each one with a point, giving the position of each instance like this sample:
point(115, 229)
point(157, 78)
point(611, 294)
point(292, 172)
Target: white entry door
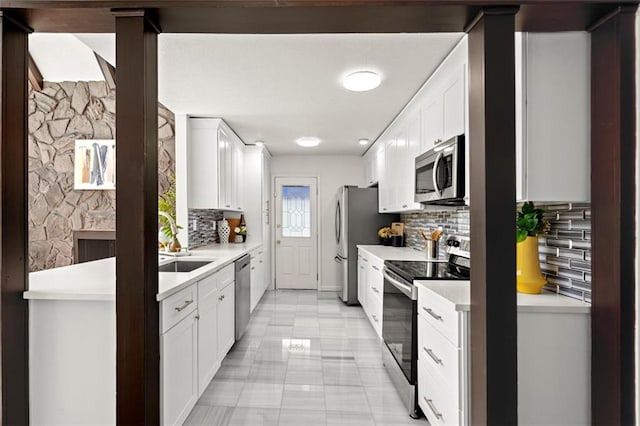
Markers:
point(296, 233)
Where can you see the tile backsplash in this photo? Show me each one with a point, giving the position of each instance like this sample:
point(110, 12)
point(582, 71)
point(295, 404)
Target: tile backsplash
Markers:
point(565, 252)
point(205, 233)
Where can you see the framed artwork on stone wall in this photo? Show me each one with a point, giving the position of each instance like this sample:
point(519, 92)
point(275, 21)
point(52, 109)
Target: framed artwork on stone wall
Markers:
point(95, 164)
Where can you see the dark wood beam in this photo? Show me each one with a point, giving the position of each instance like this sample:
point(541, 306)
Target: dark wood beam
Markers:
point(305, 16)
point(613, 156)
point(14, 264)
point(35, 76)
point(108, 71)
point(137, 321)
point(494, 368)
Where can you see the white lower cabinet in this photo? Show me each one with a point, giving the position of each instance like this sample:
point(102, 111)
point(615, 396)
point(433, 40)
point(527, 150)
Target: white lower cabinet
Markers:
point(179, 370)
point(258, 276)
point(370, 288)
point(198, 329)
point(226, 320)
point(208, 356)
point(553, 362)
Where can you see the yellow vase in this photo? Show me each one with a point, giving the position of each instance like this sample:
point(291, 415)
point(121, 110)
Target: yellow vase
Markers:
point(529, 277)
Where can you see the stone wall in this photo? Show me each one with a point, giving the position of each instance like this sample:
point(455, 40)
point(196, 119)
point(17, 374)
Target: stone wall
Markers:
point(58, 115)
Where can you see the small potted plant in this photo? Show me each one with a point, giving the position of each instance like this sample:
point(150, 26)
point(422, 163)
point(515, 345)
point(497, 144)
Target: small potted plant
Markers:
point(530, 223)
point(384, 234)
point(242, 231)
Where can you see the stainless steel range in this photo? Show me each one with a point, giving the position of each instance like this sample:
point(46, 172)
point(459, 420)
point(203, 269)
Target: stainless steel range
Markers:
point(400, 319)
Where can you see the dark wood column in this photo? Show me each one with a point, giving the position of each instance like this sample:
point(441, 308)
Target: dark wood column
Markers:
point(494, 369)
point(613, 157)
point(14, 263)
point(138, 347)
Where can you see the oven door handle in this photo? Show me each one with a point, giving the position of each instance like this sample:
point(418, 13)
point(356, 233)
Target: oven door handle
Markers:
point(435, 174)
point(408, 290)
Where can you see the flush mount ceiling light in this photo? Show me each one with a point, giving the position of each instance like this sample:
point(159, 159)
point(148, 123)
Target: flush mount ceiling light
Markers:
point(308, 142)
point(361, 81)
point(363, 141)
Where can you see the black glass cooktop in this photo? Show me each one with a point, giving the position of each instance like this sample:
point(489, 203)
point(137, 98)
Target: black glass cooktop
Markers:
point(457, 269)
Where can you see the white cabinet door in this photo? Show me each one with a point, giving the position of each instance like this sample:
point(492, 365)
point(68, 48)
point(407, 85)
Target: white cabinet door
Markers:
point(257, 286)
point(179, 372)
point(383, 178)
point(553, 121)
point(453, 103)
point(225, 159)
point(226, 320)
point(433, 122)
point(237, 176)
point(362, 283)
point(410, 149)
point(208, 361)
point(389, 189)
point(202, 158)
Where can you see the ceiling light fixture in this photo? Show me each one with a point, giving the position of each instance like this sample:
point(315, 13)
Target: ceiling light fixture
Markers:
point(308, 142)
point(361, 81)
point(363, 141)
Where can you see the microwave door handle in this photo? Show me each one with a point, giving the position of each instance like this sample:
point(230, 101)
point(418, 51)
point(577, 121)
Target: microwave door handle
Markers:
point(435, 174)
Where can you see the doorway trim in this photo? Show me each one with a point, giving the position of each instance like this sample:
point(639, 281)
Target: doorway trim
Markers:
point(273, 224)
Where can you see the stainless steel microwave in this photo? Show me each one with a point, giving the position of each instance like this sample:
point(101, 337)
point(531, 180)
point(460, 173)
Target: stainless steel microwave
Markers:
point(440, 174)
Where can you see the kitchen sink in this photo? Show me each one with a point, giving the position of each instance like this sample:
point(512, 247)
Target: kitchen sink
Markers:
point(183, 265)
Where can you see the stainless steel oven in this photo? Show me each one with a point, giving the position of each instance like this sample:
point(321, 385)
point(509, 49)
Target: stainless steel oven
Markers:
point(440, 173)
point(400, 336)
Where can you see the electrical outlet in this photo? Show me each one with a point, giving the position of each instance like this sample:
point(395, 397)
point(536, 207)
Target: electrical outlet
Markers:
point(194, 224)
point(214, 225)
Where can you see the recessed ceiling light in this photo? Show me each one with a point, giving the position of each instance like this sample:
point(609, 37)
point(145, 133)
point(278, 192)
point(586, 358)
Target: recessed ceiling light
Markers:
point(363, 141)
point(308, 142)
point(259, 143)
point(361, 81)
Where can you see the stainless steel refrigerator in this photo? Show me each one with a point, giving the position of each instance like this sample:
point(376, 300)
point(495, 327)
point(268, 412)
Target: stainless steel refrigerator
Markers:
point(356, 222)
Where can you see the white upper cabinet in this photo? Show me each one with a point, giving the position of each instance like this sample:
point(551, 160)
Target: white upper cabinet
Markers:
point(371, 168)
point(214, 165)
point(436, 113)
point(553, 116)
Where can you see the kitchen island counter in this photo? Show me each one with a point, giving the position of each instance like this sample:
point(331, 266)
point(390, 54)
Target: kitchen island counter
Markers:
point(96, 280)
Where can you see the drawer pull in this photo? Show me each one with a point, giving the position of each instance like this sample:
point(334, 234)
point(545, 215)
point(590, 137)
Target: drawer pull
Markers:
point(432, 355)
point(433, 408)
point(433, 314)
point(184, 306)
point(375, 290)
point(375, 267)
point(365, 259)
point(375, 318)
point(221, 298)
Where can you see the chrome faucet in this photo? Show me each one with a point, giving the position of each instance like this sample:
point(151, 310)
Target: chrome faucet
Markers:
point(172, 223)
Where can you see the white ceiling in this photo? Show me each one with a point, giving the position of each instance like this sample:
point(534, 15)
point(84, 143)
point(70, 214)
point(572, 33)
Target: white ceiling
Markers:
point(277, 88)
point(63, 57)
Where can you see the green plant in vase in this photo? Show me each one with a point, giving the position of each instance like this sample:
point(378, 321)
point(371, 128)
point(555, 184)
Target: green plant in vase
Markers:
point(530, 223)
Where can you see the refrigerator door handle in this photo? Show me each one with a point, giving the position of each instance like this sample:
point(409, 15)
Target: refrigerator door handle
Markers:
point(338, 222)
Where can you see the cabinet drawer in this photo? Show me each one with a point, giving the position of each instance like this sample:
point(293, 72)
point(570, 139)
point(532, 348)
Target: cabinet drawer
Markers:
point(441, 316)
point(376, 263)
point(439, 354)
point(226, 275)
point(438, 402)
point(177, 307)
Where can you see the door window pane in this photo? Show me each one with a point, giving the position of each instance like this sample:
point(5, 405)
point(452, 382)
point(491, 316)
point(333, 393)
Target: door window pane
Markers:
point(296, 211)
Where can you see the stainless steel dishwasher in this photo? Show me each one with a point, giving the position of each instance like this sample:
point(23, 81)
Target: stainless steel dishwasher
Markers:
point(243, 294)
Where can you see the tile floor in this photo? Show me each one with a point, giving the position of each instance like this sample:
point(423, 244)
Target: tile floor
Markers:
point(306, 359)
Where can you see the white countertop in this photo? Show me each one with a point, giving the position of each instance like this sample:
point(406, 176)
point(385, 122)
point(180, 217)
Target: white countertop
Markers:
point(458, 295)
point(394, 253)
point(96, 280)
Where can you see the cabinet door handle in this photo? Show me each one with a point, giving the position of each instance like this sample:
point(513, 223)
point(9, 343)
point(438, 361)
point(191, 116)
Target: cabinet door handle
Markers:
point(432, 355)
point(375, 290)
point(197, 317)
point(228, 205)
point(433, 408)
point(253, 267)
point(260, 261)
point(365, 259)
point(404, 206)
point(221, 298)
point(375, 267)
point(433, 314)
point(184, 306)
point(375, 318)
